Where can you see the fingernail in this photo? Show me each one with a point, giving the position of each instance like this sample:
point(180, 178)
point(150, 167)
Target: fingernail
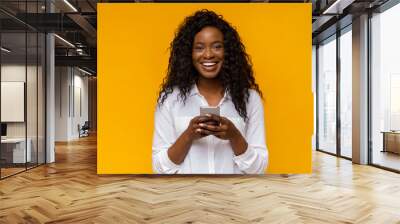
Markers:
point(208, 115)
point(202, 125)
point(198, 130)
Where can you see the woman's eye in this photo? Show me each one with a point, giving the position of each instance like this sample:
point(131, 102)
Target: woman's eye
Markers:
point(218, 46)
point(198, 48)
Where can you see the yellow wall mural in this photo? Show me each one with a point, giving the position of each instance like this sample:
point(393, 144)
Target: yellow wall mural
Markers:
point(133, 51)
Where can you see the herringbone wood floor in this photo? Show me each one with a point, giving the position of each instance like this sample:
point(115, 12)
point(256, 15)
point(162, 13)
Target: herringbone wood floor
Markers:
point(69, 191)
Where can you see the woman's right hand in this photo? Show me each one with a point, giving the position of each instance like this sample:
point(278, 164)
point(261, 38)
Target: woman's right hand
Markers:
point(194, 130)
point(178, 151)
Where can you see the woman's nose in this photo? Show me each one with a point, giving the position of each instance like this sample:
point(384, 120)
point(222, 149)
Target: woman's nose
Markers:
point(208, 53)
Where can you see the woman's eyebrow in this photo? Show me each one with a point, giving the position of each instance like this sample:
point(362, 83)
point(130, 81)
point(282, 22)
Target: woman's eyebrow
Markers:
point(202, 43)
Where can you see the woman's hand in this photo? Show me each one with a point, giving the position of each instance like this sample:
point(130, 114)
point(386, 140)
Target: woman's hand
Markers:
point(194, 130)
point(178, 151)
point(225, 130)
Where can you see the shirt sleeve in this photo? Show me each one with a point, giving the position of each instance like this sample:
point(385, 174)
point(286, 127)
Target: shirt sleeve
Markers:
point(255, 159)
point(163, 139)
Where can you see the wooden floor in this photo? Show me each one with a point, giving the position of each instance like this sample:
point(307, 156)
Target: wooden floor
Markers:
point(70, 191)
point(387, 159)
point(5, 172)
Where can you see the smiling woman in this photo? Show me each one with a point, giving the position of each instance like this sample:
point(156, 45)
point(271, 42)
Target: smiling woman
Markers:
point(209, 67)
point(208, 51)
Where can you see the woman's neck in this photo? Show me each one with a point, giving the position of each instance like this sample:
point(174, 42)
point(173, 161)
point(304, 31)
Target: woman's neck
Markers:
point(210, 86)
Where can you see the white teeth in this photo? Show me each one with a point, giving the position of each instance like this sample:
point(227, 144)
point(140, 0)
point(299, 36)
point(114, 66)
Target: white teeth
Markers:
point(208, 63)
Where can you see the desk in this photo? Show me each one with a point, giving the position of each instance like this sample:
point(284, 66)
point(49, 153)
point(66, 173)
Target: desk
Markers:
point(391, 141)
point(13, 150)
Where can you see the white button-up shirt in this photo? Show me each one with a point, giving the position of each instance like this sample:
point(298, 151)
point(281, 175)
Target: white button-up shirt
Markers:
point(209, 155)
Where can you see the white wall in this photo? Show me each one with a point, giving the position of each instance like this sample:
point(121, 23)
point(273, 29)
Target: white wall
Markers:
point(33, 127)
point(71, 102)
point(16, 73)
point(61, 103)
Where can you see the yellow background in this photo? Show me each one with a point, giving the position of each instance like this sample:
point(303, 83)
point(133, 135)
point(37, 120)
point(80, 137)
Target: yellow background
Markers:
point(133, 41)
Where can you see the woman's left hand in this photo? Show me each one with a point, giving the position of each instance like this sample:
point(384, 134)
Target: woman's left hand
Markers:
point(225, 130)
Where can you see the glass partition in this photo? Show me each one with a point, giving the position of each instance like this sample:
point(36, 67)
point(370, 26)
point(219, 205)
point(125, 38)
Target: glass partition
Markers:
point(14, 145)
point(22, 88)
point(385, 89)
point(32, 95)
point(41, 109)
point(346, 93)
point(327, 95)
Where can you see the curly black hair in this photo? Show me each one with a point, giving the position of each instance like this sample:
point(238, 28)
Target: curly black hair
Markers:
point(236, 74)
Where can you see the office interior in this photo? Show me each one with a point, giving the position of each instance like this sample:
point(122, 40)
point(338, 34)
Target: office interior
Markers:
point(48, 78)
point(369, 76)
point(48, 81)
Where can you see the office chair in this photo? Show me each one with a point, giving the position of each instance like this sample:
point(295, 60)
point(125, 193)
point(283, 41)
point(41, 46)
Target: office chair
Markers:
point(84, 130)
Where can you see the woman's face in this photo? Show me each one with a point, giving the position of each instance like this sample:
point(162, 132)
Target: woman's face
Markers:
point(208, 52)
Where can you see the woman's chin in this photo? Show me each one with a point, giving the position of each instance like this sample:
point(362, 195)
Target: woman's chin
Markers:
point(209, 75)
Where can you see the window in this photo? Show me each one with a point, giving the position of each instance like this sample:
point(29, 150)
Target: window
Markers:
point(346, 93)
point(385, 88)
point(327, 95)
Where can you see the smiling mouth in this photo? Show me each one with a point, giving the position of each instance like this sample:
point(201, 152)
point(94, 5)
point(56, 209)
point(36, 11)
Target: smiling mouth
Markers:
point(209, 66)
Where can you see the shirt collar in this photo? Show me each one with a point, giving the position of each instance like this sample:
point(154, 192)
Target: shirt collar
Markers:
point(195, 91)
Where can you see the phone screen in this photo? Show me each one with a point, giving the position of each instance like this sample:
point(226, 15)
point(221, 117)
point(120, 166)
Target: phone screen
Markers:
point(210, 110)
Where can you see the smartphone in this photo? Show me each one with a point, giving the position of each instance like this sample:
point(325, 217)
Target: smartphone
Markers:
point(209, 110)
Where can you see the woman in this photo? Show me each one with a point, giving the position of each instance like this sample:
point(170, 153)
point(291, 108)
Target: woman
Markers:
point(208, 66)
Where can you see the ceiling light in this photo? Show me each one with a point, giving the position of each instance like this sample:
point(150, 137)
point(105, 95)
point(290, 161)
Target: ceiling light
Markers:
point(65, 41)
point(337, 7)
point(84, 71)
point(5, 50)
point(79, 51)
point(70, 5)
